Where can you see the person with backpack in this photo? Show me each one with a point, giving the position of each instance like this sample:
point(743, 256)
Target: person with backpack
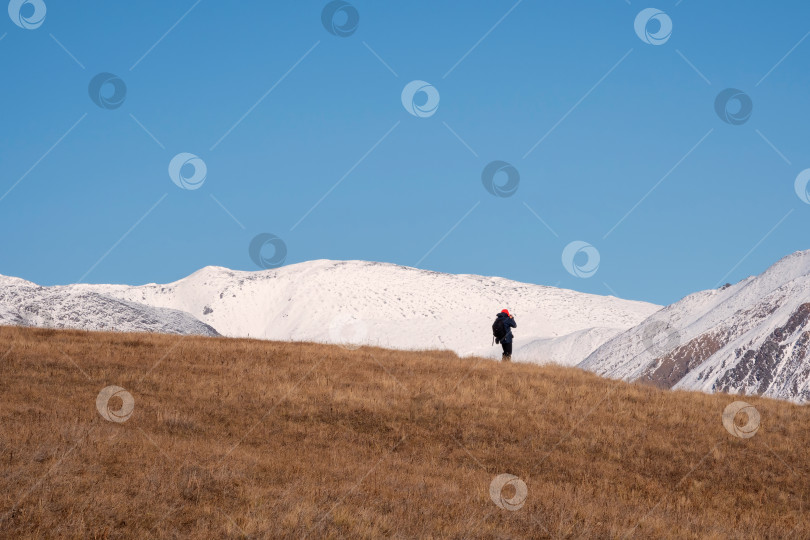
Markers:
point(502, 332)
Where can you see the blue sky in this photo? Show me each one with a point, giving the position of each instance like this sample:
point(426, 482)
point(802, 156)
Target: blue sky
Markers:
point(632, 159)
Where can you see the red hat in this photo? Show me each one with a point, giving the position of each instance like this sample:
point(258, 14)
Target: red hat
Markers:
point(505, 311)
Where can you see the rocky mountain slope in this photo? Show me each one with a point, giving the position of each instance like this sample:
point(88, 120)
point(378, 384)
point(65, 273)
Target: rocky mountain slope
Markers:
point(750, 338)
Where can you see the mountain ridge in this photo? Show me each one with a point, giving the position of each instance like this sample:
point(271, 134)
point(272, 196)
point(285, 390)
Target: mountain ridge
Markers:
point(749, 338)
point(752, 337)
point(366, 302)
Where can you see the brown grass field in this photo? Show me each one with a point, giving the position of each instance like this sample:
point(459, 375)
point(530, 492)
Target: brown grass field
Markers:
point(242, 438)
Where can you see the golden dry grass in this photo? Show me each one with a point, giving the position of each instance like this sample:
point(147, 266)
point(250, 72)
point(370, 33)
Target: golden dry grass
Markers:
point(233, 438)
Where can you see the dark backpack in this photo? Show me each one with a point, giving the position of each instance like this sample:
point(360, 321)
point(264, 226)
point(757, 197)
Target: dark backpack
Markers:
point(499, 329)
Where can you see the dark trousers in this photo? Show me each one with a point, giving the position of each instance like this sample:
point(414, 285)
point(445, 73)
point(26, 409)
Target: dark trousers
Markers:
point(507, 349)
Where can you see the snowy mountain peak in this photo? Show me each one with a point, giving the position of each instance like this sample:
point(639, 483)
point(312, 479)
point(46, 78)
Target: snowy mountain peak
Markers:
point(751, 337)
point(794, 266)
point(372, 303)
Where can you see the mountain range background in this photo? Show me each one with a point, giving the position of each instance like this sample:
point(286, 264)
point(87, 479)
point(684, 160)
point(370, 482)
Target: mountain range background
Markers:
point(749, 338)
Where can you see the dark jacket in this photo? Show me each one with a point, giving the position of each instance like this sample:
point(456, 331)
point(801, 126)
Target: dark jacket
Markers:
point(509, 323)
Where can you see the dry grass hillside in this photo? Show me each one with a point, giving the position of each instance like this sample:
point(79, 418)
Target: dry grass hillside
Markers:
point(241, 438)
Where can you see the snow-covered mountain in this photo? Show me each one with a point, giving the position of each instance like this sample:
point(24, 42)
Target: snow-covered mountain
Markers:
point(23, 303)
point(348, 302)
point(749, 338)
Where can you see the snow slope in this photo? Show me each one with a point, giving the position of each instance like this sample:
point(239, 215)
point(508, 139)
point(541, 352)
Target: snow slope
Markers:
point(23, 303)
point(749, 338)
point(357, 302)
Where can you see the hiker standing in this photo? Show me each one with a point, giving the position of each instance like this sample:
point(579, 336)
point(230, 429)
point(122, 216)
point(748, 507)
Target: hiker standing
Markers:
point(502, 331)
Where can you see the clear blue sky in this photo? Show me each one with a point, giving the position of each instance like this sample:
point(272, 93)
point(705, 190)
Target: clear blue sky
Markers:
point(617, 116)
